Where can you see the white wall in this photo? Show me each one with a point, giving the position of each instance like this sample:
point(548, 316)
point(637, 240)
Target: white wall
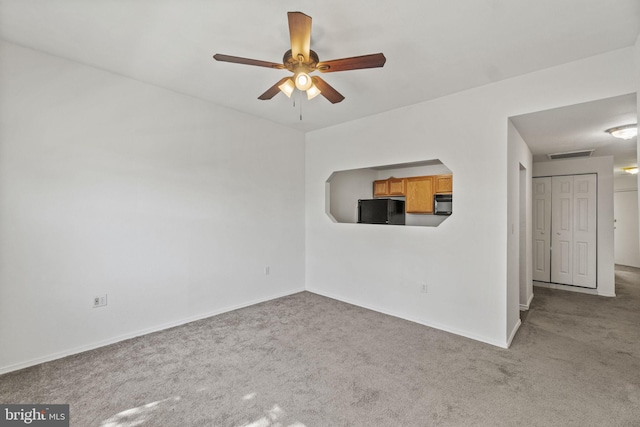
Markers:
point(603, 166)
point(432, 169)
point(170, 205)
point(519, 270)
point(626, 182)
point(625, 210)
point(637, 62)
point(464, 260)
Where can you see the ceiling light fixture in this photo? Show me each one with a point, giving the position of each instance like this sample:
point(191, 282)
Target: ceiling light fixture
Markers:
point(287, 87)
point(302, 61)
point(633, 170)
point(303, 81)
point(624, 132)
point(313, 91)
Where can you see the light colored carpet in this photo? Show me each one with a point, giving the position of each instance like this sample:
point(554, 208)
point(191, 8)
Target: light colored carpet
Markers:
point(306, 360)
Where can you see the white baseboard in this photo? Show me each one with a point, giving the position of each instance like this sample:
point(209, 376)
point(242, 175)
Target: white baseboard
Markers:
point(525, 307)
point(92, 346)
point(513, 333)
point(455, 331)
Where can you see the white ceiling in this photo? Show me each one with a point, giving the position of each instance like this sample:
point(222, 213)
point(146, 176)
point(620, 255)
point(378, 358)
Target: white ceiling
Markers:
point(582, 127)
point(433, 47)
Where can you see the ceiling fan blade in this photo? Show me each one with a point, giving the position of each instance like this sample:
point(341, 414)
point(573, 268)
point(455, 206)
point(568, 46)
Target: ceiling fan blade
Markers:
point(327, 91)
point(246, 61)
point(354, 63)
point(273, 90)
point(300, 34)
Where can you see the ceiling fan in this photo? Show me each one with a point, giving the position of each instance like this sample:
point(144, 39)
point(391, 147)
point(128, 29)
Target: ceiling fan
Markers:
point(302, 61)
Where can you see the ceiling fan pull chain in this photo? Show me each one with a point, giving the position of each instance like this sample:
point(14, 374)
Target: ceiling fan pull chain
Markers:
point(300, 111)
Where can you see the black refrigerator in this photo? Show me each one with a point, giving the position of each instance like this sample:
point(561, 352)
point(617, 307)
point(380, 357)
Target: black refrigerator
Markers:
point(381, 211)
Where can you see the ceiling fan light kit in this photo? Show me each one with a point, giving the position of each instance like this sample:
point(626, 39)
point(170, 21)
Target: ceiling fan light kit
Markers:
point(624, 132)
point(313, 91)
point(303, 81)
point(302, 61)
point(287, 87)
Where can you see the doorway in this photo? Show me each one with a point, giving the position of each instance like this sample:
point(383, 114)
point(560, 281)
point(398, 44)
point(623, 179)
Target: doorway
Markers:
point(626, 235)
point(565, 230)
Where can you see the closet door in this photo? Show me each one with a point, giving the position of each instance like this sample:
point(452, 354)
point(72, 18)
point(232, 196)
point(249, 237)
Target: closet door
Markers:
point(542, 229)
point(584, 230)
point(562, 230)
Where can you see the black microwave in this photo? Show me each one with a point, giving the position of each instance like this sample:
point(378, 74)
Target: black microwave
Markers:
point(381, 211)
point(442, 204)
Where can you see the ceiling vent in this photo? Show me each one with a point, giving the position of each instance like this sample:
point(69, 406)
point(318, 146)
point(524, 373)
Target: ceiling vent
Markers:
point(570, 154)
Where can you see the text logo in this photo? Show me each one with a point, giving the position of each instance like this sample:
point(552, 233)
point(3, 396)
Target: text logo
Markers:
point(34, 415)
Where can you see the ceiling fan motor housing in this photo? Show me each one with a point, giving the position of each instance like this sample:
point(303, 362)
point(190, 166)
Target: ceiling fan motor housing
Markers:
point(294, 65)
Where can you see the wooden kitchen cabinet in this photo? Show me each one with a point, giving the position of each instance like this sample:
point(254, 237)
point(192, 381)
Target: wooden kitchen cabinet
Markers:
point(389, 187)
point(443, 184)
point(381, 188)
point(397, 186)
point(417, 190)
point(419, 194)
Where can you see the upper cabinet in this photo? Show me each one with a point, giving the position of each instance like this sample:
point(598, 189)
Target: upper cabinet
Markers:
point(389, 187)
point(443, 184)
point(419, 196)
point(417, 190)
point(381, 188)
point(397, 186)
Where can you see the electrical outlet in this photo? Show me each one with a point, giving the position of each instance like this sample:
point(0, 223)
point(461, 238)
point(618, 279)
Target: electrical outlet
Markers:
point(100, 301)
point(423, 288)
point(267, 270)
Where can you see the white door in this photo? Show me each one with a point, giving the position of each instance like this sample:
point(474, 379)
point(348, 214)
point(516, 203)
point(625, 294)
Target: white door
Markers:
point(626, 236)
point(584, 231)
point(562, 230)
point(542, 229)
